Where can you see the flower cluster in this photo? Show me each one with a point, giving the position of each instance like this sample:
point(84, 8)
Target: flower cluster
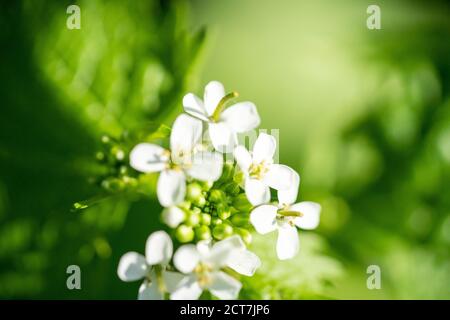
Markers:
point(212, 204)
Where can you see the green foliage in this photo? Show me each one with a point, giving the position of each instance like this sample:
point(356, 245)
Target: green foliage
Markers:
point(307, 276)
point(61, 89)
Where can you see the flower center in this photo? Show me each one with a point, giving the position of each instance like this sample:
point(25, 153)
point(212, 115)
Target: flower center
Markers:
point(181, 159)
point(156, 274)
point(258, 170)
point(203, 271)
point(286, 215)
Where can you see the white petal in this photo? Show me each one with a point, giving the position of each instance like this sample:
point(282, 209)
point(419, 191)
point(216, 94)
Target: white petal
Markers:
point(220, 253)
point(264, 148)
point(263, 218)
point(173, 216)
point(186, 134)
point(188, 289)
point(172, 280)
point(214, 92)
point(222, 137)
point(244, 262)
point(256, 191)
point(287, 242)
point(171, 187)
point(194, 106)
point(224, 287)
point(150, 291)
point(233, 242)
point(147, 157)
point(186, 258)
point(280, 177)
point(288, 196)
point(132, 266)
point(311, 214)
point(158, 248)
point(243, 158)
point(203, 248)
point(241, 117)
point(206, 166)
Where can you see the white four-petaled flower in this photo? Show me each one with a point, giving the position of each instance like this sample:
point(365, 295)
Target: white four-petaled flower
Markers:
point(285, 217)
point(183, 158)
point(260, 172)
point(223, 125)
point(152, 268)
point(203, 263)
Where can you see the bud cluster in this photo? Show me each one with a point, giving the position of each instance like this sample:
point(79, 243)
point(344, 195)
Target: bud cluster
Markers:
point(215, 210)
point(117, 175)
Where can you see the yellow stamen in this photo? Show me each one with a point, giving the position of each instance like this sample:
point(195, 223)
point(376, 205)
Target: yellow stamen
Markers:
point(258, 170)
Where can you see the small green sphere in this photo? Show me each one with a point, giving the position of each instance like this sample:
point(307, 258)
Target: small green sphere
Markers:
point(196, 210)
point(193, 219)
point(225, 214)
point(216, 196)
point(193, 191)
point(186, 205)
point(200, 201)
point(203, 233)
point(206, 185)
point(222, 231)
point(205, 219)
point(184, 233)
point(216, 221)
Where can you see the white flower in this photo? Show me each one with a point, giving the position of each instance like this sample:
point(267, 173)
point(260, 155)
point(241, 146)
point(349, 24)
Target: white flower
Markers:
point(152, 268)
point(260, 172)
point(223, 125)
point(184, 158)
point(284, 218)
point(202, 265)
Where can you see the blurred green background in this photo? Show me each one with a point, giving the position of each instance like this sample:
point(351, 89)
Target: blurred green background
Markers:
point(364, 116)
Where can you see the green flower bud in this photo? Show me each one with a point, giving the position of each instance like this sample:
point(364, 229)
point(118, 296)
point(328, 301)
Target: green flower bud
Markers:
point(184, 233)
point(232, 188)
point(216, 196)
point(123, 170)
point(100, 156)
point(240, 219)
point(206, 185)
point(193, 219)
point(205, 219)
point(203, 233)
point(186, 205)
point(224, 213)
point(200, 201)
point(113, 184)
point(193, 191)
point(216, 221)
point(132, 182)
point(245, 235)
point(105, 139)
point(118, 153)
point(227, 172)
point(222, 231)
point(239, 177)
point(241, 203)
